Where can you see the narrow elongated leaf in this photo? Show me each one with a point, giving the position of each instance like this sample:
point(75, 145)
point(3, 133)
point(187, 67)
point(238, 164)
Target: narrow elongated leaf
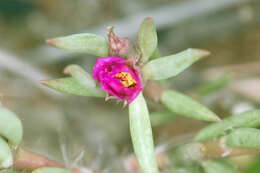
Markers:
point(81, 76)
point(187, 169)
point(218, 166)
point(254, 166)
point(187, 154)
point(214, 85)
point(248, 88)
point(161, 117)
point(51, 170)
point(10, 170)
point(70, 86)
point(10, 127)
point(244, 137)
point(82, 43)
point(169, 66)
point(183, 105)
point(156, 54)
point(6, 158)
point(147, 37)
point(141, 134)
point(246, 119)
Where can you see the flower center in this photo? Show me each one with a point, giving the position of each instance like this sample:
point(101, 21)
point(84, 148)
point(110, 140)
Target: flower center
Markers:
point(126, 79)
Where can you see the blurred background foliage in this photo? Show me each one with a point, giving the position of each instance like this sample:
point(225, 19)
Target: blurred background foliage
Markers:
point(92, 133)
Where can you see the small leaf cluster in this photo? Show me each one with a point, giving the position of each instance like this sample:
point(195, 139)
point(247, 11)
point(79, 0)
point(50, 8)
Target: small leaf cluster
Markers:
point(153, 67)
point(236, 130)
point(158, 68)
point(11, 133)
point(233, 135)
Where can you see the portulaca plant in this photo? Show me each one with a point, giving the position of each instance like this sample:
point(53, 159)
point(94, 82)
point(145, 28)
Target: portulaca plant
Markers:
point(122, 71)
point(129, 71)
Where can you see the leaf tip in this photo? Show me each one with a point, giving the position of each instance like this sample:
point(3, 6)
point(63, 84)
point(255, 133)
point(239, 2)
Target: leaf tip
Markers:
point(68, 69)
point(205, 52)
point(148, 19)
point(52, 42)
point(201, 52)
point(217, 119)
point(197, 138)
point(43, 82)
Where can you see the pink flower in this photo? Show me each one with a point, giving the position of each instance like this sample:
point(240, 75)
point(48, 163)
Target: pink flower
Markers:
point(117, 78)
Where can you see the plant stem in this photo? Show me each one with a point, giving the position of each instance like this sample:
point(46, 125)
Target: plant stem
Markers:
point(31, 161)
point(214, 149)
point(205, 151)
point(153, 90)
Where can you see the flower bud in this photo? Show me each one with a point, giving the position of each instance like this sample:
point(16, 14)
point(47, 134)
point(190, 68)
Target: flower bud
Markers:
point(118, 46)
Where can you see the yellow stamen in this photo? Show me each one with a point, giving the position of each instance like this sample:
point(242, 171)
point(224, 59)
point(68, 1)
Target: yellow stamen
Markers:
point(126, 79)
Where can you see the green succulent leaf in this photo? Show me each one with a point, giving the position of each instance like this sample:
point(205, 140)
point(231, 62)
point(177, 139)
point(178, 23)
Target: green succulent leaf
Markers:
point(215, 85)
point(147, 37)
point(244, 137)
point(169, 66)
point(156, 54)
point(6, 158)
point(187, 169)
point(217, 166)
point(246, 119)
point(69, 85)
point(254, 167)
point(141, 133)
point(11, 170)
point(10, 127)
point(183, 105)
point(51, 170)
point(82, 43)
point(161, 117)
point(186, 155)
point(81, 76)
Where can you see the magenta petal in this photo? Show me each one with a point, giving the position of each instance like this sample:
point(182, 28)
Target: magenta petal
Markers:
point(105, 71)
point(105, 63)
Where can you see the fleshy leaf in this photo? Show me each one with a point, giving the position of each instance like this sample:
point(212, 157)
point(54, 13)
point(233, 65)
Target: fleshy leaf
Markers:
point(147, 37)
point(10, 127)
point(215, 85)
point(169, 66)
point(186, 154)
point(246, 119)
point(81, 76)
point(141, 133)
point(244, 137)
point(161, 117)
point(6, 158)
point(51, 170)
point(82, 43)
point(187, 169)
point(217, 166)
point(70, 86)
point(254, 167)
point(156, 54)
point(11, 170)
point(183, 105)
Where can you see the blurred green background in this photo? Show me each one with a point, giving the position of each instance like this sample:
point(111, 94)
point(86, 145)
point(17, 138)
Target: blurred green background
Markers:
point(90, 132)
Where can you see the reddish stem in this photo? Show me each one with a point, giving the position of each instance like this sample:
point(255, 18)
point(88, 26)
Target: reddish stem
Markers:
point(31, 161)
